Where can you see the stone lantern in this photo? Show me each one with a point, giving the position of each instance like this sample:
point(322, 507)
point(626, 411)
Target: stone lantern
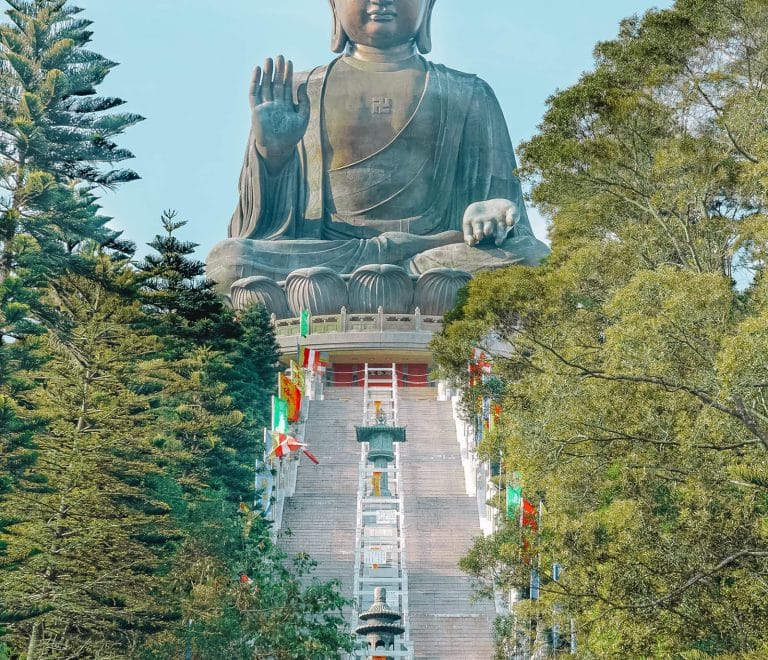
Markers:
point(381, 448)
point(380, 624)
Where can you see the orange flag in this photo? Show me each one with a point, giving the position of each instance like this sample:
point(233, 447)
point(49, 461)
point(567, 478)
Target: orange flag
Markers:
point(291, 393)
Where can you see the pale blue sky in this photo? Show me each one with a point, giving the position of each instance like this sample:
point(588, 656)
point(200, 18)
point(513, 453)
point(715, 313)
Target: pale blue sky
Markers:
point(185, 66)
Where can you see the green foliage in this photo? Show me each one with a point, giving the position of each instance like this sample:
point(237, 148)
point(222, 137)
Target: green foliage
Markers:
point(242, 597)
point(86, 531)
point(226, 367)
point(131, 402)
point(215, 406)
point(635, 393)
point(55, 134)
point(52, 119)
point(183, 301)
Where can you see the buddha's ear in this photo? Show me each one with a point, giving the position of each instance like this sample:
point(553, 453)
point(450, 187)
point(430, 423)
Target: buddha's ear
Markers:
point(424, 37)
point(339, 39)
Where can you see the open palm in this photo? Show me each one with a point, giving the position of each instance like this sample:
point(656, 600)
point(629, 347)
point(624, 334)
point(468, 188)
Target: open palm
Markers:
point(278, 122)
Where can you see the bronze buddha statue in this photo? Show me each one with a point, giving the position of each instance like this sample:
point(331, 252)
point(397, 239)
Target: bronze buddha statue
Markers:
point(378, 158)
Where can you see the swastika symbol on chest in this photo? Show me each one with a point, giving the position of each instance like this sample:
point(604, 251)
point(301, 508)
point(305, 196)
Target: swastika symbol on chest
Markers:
point(381, 105)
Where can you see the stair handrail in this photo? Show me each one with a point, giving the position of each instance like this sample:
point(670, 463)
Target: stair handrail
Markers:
point(402, 559)
point(394, 395)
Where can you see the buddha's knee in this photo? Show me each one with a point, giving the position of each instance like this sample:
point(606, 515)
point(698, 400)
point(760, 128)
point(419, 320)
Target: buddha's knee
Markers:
point(230, 260)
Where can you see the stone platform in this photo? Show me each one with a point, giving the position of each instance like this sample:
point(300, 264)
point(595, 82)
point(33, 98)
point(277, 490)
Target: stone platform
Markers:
point(377, 337)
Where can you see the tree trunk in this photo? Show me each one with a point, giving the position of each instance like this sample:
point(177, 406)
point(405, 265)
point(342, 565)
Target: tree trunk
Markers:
point(34, 639)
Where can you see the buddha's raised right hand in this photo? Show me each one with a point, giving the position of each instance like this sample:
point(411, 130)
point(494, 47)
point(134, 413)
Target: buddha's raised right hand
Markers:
point(278, 122)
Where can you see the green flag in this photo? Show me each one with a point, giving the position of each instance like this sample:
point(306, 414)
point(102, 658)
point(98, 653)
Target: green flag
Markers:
point(304, 323)
point(279, 415)
point(514, 499)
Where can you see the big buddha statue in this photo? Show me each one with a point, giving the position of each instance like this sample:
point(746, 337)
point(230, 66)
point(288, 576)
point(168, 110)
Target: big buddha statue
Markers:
point(380, 162)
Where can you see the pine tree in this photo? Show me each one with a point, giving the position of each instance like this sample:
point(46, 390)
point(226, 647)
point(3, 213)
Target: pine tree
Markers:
point(55, 136)
point(240, 358)
point(87, 534)
point(186, 307)
point(250, 376)
point(211, 433)
point(19, 362)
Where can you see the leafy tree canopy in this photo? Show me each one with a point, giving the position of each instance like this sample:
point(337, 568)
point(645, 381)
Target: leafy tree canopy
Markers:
point(635, 399)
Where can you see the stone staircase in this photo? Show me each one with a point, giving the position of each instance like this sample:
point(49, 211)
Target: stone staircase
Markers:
point(321, 515)
point(440, 520)
point(440, 523)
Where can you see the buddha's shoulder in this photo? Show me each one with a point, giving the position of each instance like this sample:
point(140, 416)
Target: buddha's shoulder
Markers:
point(461, 77)
point(452, 77)
point(311, 75)
point(454, 74)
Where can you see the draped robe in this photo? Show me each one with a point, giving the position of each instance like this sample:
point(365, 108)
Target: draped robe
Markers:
point(398, 205)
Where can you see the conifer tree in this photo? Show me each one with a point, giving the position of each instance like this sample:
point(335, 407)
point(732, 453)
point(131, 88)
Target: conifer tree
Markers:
point(250, 372)
point(86, 533)
point(239, 360)
point(211, 433)
point(56, 135)
point(185, 305)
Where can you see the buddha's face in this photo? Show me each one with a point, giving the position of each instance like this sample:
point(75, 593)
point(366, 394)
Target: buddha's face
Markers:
point(381, 23)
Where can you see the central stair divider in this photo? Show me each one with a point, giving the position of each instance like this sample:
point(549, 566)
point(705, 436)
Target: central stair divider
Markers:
point(380, 549)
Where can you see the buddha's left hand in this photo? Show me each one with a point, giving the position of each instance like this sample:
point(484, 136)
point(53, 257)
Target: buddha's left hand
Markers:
point(491, 219)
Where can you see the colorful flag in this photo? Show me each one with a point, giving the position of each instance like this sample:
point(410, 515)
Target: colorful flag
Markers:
point(472, 369)
point(304, 323)
point(529, 516)
point(297, 376)
point(535, 585)
point(284, 444)
point(514, 499)
point(482, 361)
point(309, 358)
point(290, 393)
point(279, 415)
point(324, 360)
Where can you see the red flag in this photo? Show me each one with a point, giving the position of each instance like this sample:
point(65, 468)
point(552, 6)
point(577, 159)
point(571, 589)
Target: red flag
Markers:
point(311, 457)
point(310, 358)
point(285, 445)
point(482, 361)
point(529, 516)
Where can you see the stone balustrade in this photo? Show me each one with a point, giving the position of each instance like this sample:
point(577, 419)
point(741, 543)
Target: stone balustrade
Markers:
point(345, 323)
